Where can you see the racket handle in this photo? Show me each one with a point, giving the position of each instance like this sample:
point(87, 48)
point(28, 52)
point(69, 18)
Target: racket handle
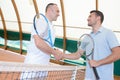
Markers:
point(96, 74)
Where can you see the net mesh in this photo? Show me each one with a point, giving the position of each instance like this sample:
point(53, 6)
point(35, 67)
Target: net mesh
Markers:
point(20, 71)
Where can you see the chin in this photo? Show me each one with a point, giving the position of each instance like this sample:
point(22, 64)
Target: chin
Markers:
point(89, 24)
point(54, 19)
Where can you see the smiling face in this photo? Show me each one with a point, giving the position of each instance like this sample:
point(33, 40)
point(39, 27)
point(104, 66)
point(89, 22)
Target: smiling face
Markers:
point(95, 18)
point(92, 19)
point(52, 12)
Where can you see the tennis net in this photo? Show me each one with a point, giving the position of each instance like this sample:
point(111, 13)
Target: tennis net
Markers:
point(21, 71)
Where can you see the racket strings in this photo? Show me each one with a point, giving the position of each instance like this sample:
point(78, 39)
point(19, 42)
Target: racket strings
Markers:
point(86, 43)
point(91, 54)
point(49, 38)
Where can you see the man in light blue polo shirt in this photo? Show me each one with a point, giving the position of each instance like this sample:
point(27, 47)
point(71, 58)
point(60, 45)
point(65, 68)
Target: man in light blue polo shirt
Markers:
point(106, 50)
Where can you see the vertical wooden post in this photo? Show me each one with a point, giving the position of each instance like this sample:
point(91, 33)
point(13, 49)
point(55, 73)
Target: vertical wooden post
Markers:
point(19, 23)
point(96, 5)
point(64, 25)
point(36, 8)
point(4, 28)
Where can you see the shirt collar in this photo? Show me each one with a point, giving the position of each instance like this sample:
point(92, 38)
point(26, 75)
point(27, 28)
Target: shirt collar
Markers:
point(99, 31)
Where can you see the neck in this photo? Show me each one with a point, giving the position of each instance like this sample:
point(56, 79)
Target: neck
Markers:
point(49, 18)
point(96, 28)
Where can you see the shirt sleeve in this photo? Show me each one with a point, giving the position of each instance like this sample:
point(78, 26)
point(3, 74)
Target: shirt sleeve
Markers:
point(112, 40)
point(41, 27)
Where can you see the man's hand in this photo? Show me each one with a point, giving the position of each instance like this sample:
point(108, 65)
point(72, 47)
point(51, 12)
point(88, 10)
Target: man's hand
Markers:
point(58, 54)
point(94, 63)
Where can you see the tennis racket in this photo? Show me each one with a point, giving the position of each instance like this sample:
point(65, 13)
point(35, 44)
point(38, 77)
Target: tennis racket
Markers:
point(86, 43)
point(49, 37)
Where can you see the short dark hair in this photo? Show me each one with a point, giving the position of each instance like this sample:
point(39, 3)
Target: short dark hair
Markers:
point(50, 4)
point(98, 13)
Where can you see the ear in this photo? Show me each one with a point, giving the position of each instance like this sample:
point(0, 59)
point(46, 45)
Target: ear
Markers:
point(98, 18)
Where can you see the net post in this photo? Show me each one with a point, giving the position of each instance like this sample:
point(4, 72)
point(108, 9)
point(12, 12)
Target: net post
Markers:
point(74, 73)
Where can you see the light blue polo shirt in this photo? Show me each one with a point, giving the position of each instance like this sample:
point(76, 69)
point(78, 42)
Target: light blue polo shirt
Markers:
point(104, 41)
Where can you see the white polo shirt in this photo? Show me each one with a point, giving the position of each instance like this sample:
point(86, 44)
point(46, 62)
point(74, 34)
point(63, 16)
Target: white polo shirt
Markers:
point(35, 55)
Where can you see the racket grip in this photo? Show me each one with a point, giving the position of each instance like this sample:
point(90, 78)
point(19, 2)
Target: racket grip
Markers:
point(96, 74)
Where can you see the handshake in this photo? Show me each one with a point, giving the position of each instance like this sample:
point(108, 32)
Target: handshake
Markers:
point(58, 54)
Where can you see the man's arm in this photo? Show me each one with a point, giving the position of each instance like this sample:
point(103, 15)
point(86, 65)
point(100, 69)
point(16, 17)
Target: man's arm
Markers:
point(73, 56)
point(43, 46)
point(115, 55)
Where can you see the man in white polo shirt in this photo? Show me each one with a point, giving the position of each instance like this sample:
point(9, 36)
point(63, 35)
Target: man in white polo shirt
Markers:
point(43, 37)
point(42, 41)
